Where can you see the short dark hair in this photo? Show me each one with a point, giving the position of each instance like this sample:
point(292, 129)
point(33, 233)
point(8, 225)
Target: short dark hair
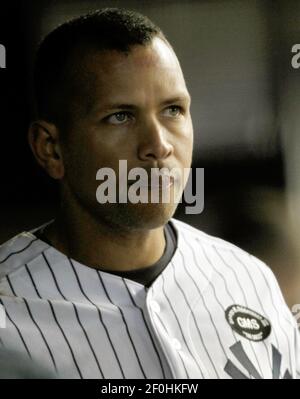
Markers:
point(104, 29)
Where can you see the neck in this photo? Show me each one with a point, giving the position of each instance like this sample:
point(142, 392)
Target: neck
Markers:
point(79, 236)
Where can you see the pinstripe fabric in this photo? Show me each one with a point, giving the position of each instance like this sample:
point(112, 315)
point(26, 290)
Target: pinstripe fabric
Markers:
point(85, 323)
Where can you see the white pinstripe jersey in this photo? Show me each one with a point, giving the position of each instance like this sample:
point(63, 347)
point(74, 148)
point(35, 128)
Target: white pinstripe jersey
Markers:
point(85, 323)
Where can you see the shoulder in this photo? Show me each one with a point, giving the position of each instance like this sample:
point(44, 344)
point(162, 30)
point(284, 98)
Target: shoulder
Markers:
point(194, 234)
point(18, 251)
point(222, 254)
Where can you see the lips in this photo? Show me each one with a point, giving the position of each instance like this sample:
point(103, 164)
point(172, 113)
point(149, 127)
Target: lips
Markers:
point(162, 182)
point(157, 181)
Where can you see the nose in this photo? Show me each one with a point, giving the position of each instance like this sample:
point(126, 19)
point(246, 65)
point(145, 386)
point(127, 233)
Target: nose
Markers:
point(154, 144)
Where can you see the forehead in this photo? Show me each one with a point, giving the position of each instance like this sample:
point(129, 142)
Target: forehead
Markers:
point(145, 70)
point(155, 54)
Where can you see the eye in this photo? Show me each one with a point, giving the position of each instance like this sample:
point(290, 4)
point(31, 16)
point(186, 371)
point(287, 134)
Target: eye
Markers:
point(173, 111)
point(118, 118)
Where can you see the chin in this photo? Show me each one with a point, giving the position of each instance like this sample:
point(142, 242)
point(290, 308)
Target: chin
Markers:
point(152, 216)
point(139, 216)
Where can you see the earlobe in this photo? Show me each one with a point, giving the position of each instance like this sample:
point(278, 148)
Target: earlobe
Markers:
point(44, 142)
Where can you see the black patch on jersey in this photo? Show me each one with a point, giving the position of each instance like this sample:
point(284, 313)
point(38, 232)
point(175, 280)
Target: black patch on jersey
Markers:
point(248, 323)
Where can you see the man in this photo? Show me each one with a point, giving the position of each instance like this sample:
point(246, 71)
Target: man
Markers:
point(123, 290)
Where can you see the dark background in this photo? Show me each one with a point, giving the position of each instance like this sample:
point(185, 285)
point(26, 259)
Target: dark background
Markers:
point(236, 59)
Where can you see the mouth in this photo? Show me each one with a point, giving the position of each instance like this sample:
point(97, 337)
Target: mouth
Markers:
point(158, 182)
point(165, 184)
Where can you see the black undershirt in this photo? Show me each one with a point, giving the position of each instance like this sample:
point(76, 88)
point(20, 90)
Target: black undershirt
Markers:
point(144, 275)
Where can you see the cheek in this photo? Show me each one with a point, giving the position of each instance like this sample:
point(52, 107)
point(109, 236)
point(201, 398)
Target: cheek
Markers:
point(185, 145)
point(80, 161)
point(84, 160)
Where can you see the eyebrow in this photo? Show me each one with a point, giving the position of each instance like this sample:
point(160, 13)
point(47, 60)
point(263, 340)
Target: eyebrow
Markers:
point(110, 106)
point(177, 99)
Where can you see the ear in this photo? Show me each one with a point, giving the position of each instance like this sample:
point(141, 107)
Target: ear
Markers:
point(44, 141)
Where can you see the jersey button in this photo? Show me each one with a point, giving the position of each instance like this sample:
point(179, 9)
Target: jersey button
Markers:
point(155, 306)
point(176, 344)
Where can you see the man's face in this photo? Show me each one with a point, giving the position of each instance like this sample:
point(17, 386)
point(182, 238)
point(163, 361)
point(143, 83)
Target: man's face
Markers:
point(133, 107)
